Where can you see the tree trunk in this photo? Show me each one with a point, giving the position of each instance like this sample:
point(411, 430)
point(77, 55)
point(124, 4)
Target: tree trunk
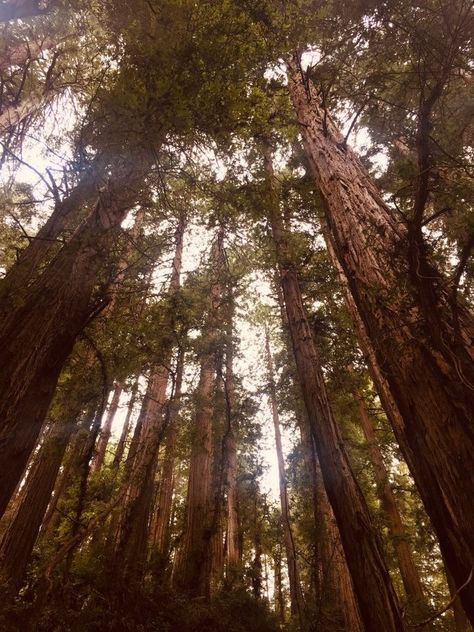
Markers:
point(335, 589)
point(461, 622)
point(132, 546)
point(33, 259)
point(257, 579)
point(278, 590)
point(233, 554)
point(23, 52)
point(52, 517)
point(410, 576)
point(165, 495)
point(423, 346)
point(19, 539)
point(192, 573)
point(296, 596)
point(39, 335)
point(120, 449)
point(336, 596)
point(375, 594)
point(193, 569)
point(13, 115)
point(106, 431)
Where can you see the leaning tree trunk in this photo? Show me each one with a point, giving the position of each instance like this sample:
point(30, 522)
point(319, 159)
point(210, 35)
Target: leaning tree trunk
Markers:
point(296, 595)
point(334, 582)
point(423, 343)
point(18, 542)
point(376, 597)
point(32, 260)
point(39, 335)
point(406, 563)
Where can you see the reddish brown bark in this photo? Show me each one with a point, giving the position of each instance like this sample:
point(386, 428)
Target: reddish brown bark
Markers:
point(38, 336)
point(193, 573)
point(461, 622)
point(66, 216)
point(375, 594)
point(194, 564)
point(423, 346)
point(165, 495)
point(296, 595)
point(335, 591)
point(20, 537)
point(233, 552)
point(132, 546)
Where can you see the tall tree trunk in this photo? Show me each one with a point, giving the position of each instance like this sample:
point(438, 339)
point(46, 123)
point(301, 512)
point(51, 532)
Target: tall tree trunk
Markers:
point(120, 449)
point(32, 260)
point(278, 590)
point(132, 546)
point(22, 52)
point(422, 340)
point(375, 594)
point(409, 572)
point(335, 589)
point(38, 336)
point(233, 554)
point(296, 595)
point(52, 516)
point(257, 578)
point(337, 600)
point(106, 431)
point(20, 537)
point(13, 115)
point(165, 494)
point(192, 572)
point(193, 568)
point(461, 622)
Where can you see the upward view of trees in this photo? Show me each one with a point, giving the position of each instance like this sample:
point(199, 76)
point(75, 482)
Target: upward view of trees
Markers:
point(236, 326)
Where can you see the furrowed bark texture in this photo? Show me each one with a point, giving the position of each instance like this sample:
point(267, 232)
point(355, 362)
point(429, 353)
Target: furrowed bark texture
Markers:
point(372, 585)
point(131, 550)
point(233, 553)
point(423, 346)
point(193, 571)
point(32, 260)
point(119, 451)
point(38, 336)
point(165, 495)
point(20, 537)
point(334, 587)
